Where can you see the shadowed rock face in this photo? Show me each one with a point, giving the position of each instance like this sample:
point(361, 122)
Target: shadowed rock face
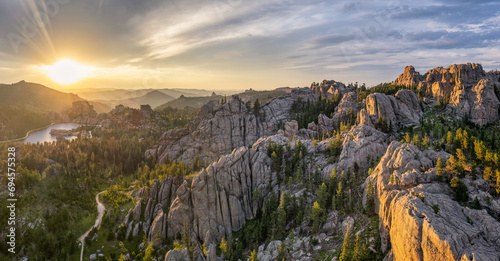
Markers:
point(399, 111)
point(409, 222)
point(220, 128)
point(470, 89)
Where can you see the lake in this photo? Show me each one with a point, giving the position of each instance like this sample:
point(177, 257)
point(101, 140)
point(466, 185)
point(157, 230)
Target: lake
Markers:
point(44, 135)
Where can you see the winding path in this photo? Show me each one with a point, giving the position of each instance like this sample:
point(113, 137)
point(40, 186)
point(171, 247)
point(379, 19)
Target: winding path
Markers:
point(97, 224)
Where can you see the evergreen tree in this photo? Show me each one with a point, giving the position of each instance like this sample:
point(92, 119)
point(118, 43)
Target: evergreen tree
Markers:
point(451, 165)
point(392, 180)
point(253, 256)
point(317, 216)
point(281, 219)
point(416, 140)
point(322, 196)
point(459, 189)
point(497, 188)
point(488, 174)
point(340, 195)
point(148, 254)
point(407, 138)
point(426, 142)
point(439, 169)
point(358, 249)
point(370, 203)
point(256, 107)
point(449, 138)
point(345, 254)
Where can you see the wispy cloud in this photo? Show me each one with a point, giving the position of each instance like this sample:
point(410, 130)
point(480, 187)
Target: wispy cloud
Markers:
point(225, 41)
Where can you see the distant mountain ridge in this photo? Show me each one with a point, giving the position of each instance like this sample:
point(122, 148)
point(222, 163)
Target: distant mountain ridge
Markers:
point(36, 96)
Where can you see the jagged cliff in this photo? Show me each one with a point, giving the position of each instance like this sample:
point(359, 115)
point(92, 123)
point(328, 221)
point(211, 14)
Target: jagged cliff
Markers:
point(419, 218)
point(220, 128)
point(470, 90)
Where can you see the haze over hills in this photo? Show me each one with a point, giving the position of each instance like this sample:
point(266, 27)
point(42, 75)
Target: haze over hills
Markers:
point(123, 94)
point(36, 96)
point(153, 98)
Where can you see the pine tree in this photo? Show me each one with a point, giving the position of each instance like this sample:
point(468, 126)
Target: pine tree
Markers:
point(345, 255)
point(358, 249)
point(416, 140)
point(316, 216)
point(479, 149)
point(488, 174)
point(392, 180)
point(322, 196)
point(498, 182)
point(186, 239)
point(256, 107)
point(439, 169)
point(451, 165)
point(340, 195)
point(407, 138)
point(370, 203)
point(253, 255)
point(281, 219)
point(425, 142)
point(449, 138)
point(148, 254)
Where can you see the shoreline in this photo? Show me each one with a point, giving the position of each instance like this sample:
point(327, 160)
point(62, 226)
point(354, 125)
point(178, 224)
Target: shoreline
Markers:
point(27, 134)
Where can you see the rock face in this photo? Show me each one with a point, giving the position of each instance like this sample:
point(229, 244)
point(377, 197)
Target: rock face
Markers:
point(218, 129)
point(148, 213)
point(220, 198)
point(468, 87)
point(330, 88)
point(401, 110)
point(418, 217)
point(409, 77)
point(361, 145)
point(348, 108)
point(83, 112)
point(177, 255)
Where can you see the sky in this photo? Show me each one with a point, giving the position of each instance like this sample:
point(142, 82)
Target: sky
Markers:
point(238, 44)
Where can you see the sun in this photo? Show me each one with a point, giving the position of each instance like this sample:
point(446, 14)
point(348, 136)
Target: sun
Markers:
point(67, 71)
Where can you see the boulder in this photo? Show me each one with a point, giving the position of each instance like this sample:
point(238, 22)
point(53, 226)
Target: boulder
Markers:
point(402, 110)
point(291, 129)
point(177, 255)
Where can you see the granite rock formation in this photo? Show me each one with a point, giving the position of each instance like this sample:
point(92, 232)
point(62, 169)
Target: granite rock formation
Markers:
point(419, 218)
point(468, 88)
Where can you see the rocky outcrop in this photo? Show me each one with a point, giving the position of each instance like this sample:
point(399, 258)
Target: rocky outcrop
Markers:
point(220, 128)
point(82, 112)
point(479, 103)
point(409, 77)
point(220, 198)
point(330, 88)
point(361, 145)
point(177, 255)
point(148, 214)
point(401, 110)
point(469, 89)
point(347, 109)
point(418, 217)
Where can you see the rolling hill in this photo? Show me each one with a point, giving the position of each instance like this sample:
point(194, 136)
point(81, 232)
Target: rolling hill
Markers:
point(36, 96)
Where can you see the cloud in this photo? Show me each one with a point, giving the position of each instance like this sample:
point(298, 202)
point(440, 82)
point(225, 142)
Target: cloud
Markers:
point(283, 38)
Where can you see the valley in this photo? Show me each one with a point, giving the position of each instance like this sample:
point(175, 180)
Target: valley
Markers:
point(404, 170)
